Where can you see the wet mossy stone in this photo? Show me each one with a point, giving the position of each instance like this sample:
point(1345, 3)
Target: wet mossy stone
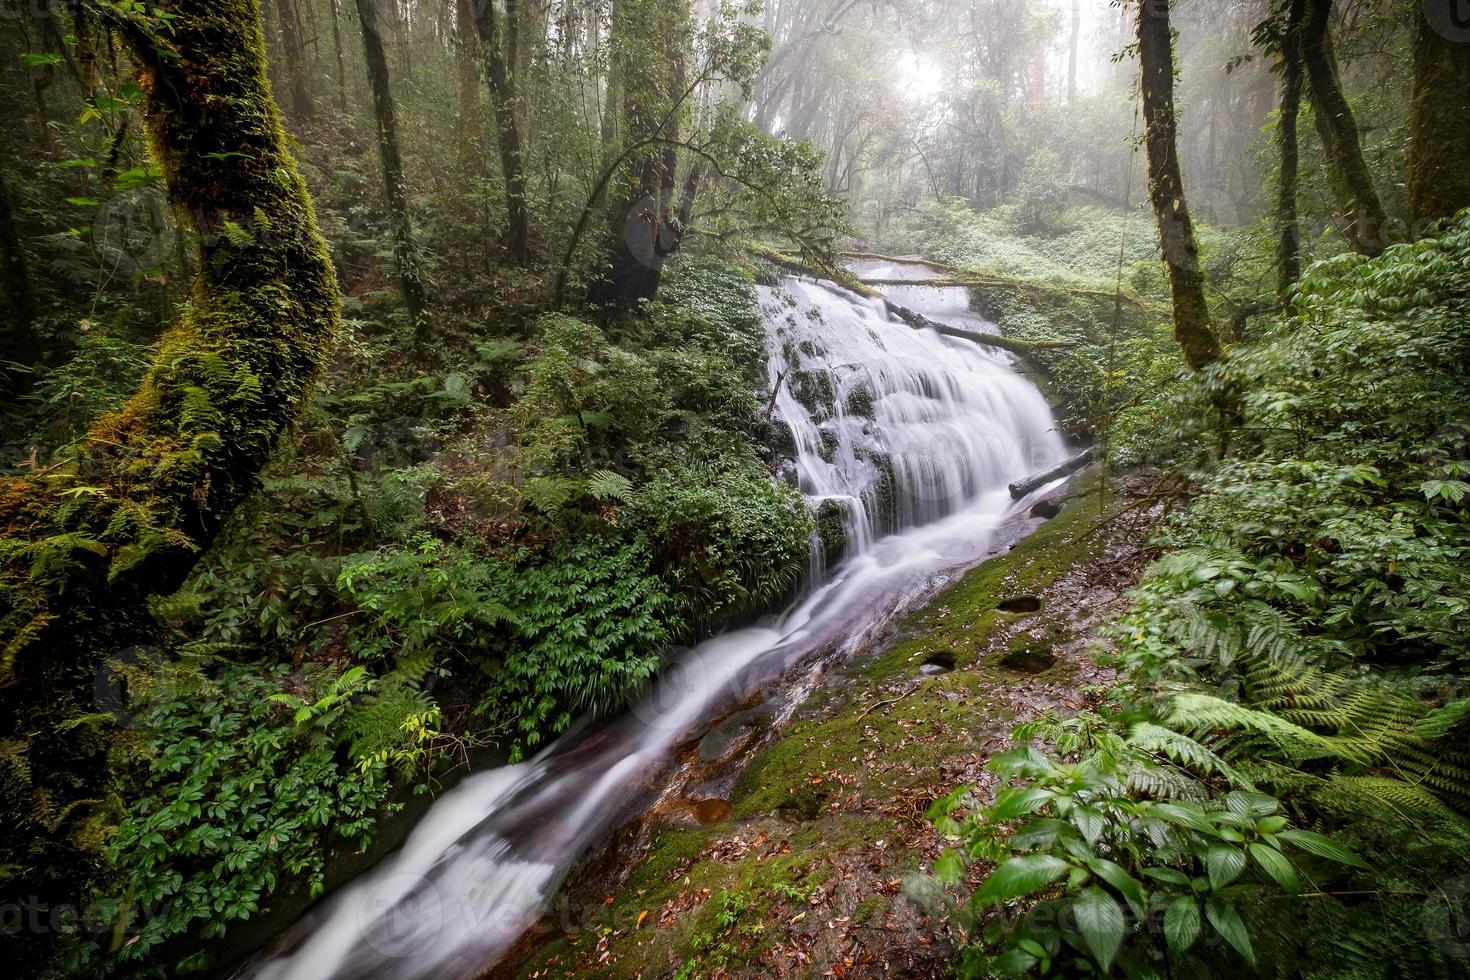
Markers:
point(813, 389)
point(860, 402)
point(832, 530)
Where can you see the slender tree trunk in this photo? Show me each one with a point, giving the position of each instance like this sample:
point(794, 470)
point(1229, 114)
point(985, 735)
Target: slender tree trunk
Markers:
point(1192, 326)
point(1072, 42)
point(82, 548)
point(405, 248)
point(1439, 148)
point(467, 81)
point(1288, 227)
point(508, 132)
point(341, 58)
point(1341, 142)
point(18, 342)
point(294, 46)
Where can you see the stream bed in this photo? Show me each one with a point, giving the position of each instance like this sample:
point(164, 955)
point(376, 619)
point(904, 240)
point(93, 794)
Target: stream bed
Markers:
point(905, 441)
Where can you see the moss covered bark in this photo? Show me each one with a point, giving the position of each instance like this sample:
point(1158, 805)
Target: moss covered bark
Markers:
point(1288, 228)
point(1342, 144)
point(499, 71)
point(1439, 151)
point(84, 545)
point(1192, 325)
point(405, 248)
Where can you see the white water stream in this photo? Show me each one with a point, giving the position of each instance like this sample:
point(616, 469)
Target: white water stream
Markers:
point(956, 422)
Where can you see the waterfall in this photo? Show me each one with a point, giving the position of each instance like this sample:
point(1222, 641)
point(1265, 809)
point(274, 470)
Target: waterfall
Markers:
point(905, 442)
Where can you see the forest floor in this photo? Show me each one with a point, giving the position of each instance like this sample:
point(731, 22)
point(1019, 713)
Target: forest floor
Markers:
point(802, 872)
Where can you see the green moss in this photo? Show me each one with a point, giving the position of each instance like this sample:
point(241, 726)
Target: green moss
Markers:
point(796, 790)
point(813, 389)
point(830, 529)
point(869, 909)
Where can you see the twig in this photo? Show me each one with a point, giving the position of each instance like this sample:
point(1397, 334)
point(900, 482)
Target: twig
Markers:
point(880, 704)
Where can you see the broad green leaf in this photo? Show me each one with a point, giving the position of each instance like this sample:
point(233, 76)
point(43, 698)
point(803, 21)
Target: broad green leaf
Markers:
point(1222, 915)
point(1012, 803)
point(1021, 876)
point(1325, 847)
point(1117, 876)
point(1100, 920)
point(1275, 864)
point(1224, 865)
point(1181, 922)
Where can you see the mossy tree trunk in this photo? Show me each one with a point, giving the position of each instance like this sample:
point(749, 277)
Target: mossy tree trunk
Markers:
point(650, 43)
point(1288, 225)
point(1342, 145)
point(1439, 148)
point(83, 546)
point(498, 70)
point(405, 246)
point(1192, 325)
point(18, 342)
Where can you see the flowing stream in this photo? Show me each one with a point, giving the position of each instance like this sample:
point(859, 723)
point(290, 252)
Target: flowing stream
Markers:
point(908, 437)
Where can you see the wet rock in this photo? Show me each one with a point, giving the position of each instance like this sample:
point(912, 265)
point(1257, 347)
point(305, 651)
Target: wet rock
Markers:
point(832, 529)
point(1020, 604)
point(707, 812)
point(1046, 509)
point(860, 402)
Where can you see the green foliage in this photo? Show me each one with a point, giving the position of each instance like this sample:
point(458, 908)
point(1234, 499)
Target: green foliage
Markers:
point(727, 539)
point(590, 624)
point(244, 787)
point(1102, 870)
point(1300, 636)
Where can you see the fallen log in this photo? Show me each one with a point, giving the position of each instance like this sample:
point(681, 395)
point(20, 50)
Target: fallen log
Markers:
point(1064, 468)
point(1021, 348)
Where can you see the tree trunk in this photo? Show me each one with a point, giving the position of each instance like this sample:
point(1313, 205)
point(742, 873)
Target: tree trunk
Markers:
point(294, 44)
point(341, 59)
point(84, 546)
point(18, 343)
point(507, 132)
point(643, 228)
point(1439, 148)
point(405, 248)
point(1072, 40)
point(1289, 243)
point(1192, 326)
point(1341, 144)
point(467, 81)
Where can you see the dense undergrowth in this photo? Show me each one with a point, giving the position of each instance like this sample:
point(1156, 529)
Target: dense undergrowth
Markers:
point(444, 562)
point(1280, 787)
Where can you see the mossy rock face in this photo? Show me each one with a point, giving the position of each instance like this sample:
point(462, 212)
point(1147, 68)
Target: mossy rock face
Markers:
point(831, 530)
point(860, 402)
point(830, 444)
point(813, 389)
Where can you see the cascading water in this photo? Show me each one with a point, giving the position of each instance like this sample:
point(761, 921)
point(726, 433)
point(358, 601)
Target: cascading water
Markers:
point(911, 436)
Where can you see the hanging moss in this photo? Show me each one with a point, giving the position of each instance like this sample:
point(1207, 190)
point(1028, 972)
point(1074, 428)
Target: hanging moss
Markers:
point(83, 547)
